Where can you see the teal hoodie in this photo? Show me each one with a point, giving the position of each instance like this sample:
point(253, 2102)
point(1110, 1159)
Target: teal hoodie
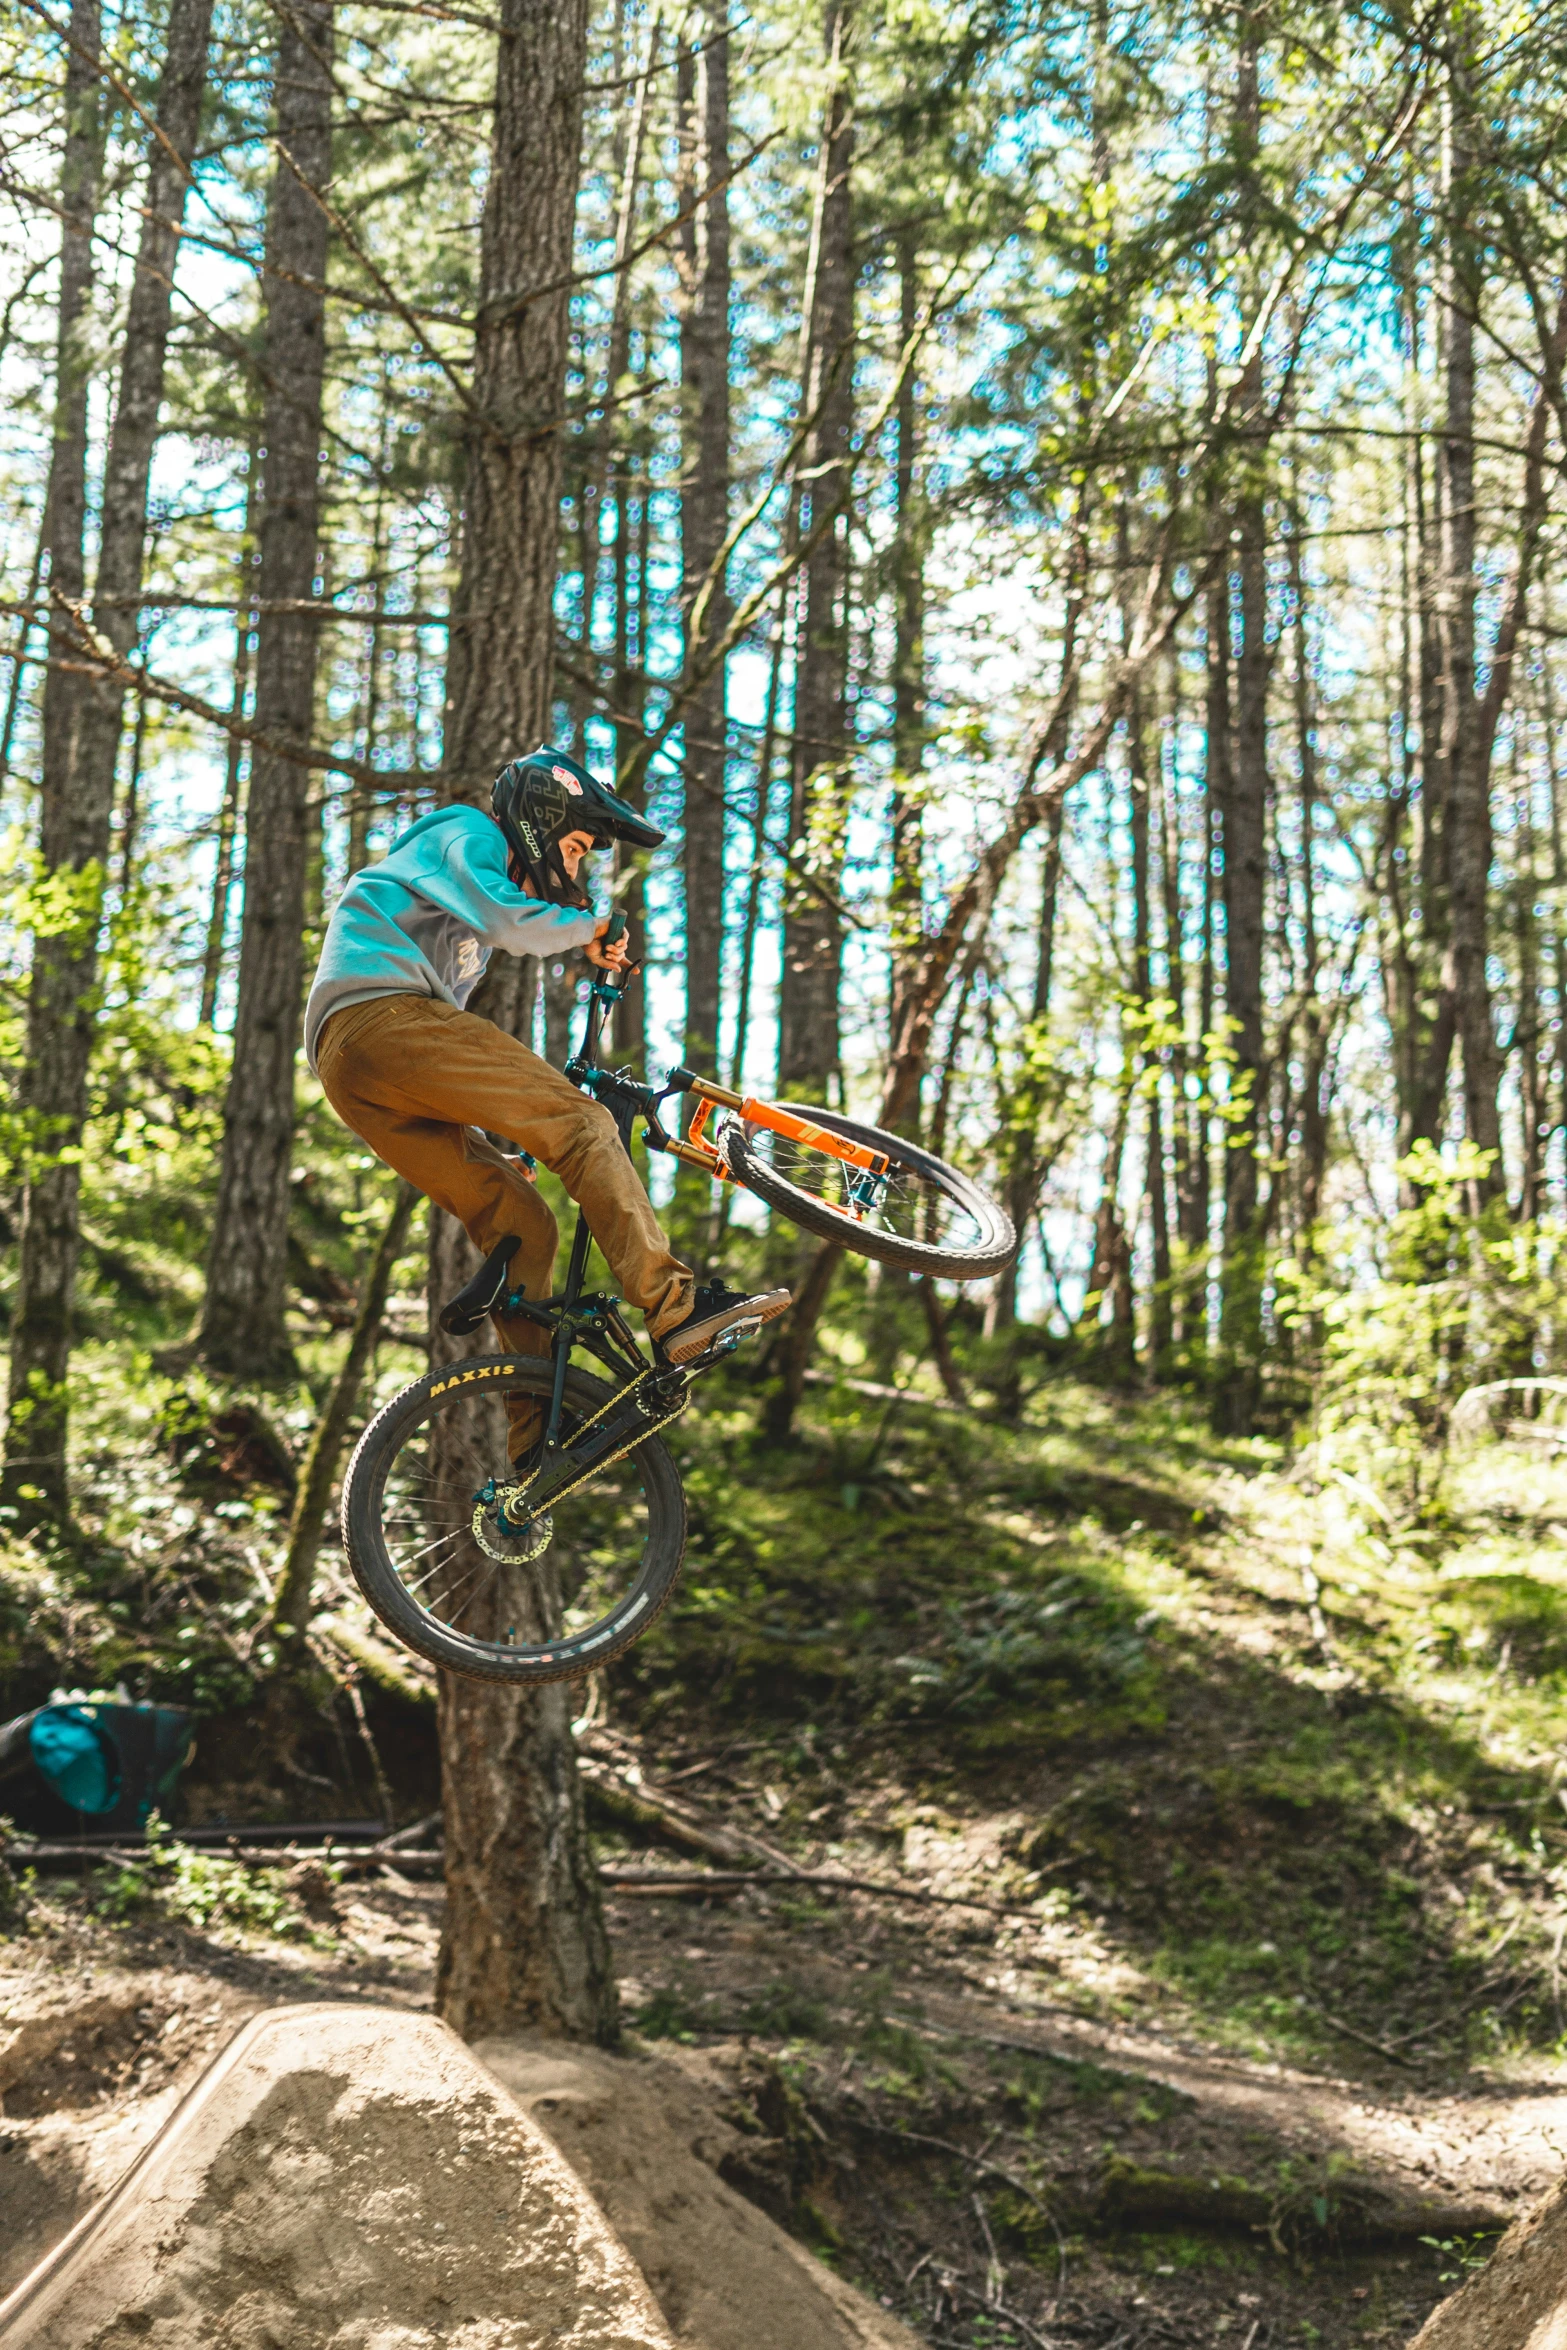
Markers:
point(427, 918)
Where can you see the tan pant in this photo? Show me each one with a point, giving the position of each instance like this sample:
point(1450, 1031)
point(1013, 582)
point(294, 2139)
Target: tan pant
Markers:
point(412, 1077)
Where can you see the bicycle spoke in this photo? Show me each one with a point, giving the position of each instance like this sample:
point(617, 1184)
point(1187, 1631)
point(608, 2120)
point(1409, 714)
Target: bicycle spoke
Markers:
point(425, 1548)
point(581, 1557)
point(909, 1205)
point(477, 1569)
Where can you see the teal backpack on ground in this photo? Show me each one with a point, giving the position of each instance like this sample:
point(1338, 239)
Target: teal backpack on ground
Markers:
point(115, 1763)
point(75, 1757)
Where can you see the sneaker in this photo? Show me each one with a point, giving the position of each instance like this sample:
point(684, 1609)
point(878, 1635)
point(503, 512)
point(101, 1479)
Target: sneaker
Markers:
point(715, 1309)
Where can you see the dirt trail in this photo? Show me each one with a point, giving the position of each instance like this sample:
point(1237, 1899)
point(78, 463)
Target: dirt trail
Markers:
point(819, 2118)
point(1492, 2141)
point(652, 2140)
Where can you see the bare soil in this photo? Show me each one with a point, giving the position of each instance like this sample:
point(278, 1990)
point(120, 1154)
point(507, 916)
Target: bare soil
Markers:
point(893, 2087)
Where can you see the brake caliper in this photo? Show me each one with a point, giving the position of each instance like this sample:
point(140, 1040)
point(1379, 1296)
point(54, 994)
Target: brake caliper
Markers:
point(866, 1188)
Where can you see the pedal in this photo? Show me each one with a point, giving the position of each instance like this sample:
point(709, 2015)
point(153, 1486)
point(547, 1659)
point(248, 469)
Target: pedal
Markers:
point(725, 1343)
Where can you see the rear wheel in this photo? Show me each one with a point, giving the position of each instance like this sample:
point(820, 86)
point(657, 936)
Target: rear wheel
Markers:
point(920, 1215)
point(442, 1543)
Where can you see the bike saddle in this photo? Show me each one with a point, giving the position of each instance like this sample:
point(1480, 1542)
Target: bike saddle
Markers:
point(473, 1301)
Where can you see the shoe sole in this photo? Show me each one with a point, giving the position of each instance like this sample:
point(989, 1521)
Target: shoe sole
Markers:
point(697, 1341)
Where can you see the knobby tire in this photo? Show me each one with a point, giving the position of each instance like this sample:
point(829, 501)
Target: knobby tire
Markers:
point(994, 1242)
point(649, 1582)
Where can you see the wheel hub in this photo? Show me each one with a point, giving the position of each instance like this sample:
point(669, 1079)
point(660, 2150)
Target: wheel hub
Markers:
point(516, 1542)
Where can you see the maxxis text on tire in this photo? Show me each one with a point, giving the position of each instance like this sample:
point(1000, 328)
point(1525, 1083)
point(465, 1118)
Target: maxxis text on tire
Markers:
point(648, 1582)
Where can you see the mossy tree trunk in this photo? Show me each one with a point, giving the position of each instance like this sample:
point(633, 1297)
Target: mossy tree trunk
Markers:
point(523, 1946)
point(242, 1327)
point(74, 844)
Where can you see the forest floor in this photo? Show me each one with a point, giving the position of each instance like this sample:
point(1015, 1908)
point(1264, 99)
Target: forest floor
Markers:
point(1241, 2019)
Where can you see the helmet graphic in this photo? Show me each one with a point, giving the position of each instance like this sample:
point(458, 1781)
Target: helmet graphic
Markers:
point(539, 799)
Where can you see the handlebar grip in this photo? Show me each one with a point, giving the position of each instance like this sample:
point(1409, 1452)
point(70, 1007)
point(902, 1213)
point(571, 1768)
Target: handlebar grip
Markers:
point(618, 926)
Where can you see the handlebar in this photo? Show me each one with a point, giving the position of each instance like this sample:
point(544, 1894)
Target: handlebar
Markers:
point(603, 994)
point(619, 1092)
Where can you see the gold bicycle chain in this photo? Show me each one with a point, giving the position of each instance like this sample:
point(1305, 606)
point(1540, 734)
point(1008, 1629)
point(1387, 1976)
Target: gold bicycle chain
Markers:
point(595, 1468)
point(564, 1492)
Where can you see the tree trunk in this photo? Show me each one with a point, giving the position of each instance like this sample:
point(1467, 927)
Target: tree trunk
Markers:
point(1318, 1017)
point(1526, 1031)
point(1245, 877)
point(1023, 1170)
point(1161, 1326)
point(809, 1056)
point(500, 674)
point(228, 813)
point(243, 1326)
point(1110, 1271)
point(808, 1046)
point(1197, 1225)
point(631, 487)
point(704, 526)
point(361, 798)
point(907, 898)
point(523, 1944)
point(1245, 818)
point(761, 808)
point(1469, 858)
point(74, 842)
point(129, 465)
point(633, 554)
point(18, 655)
point(87, 769)
point(1182, 1058)
point(1431, 1010)
point(1558, 885)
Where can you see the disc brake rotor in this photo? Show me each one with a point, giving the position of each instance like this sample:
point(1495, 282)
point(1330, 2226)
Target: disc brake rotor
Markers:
point(514, 1544)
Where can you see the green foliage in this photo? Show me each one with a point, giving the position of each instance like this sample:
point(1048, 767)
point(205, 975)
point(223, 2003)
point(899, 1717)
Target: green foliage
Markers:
point(667, 2016)
point(204, 1891)
point(1010, 1646)
point(784, 2011)
point(1464, 2255)
point(1461, 1301)
point(16, 1886)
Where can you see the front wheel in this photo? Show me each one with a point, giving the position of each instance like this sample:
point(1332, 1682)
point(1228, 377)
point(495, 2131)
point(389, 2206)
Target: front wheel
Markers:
point(920, 1214)
point(443, 1545)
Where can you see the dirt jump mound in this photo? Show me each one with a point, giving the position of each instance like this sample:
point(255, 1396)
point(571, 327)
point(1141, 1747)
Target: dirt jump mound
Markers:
point(1518, 2301)
point(342, 2177)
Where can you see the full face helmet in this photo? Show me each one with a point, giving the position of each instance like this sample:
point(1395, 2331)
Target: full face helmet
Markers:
point(539, 799)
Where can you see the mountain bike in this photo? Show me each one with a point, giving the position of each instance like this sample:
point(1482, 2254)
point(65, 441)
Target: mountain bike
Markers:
point(540, 1568)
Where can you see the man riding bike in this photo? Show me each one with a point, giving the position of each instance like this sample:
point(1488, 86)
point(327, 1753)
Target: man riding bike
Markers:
point(417, 1076)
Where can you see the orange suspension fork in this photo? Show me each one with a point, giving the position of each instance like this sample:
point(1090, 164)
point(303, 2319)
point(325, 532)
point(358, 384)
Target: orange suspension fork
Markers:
point(778, 1121)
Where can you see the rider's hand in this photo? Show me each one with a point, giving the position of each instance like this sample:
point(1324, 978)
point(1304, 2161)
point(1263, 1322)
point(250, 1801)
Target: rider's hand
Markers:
point(613, 958)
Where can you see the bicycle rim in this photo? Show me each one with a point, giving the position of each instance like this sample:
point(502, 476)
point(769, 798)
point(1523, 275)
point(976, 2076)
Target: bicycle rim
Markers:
point(448, 1551)
point(906, 1205)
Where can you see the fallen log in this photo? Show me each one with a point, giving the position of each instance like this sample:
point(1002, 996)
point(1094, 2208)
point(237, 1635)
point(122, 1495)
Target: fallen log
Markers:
point(1350, 2208)
point(635, 1804)
point(391, 1670)
point(355, 1859)
point(365, 1859)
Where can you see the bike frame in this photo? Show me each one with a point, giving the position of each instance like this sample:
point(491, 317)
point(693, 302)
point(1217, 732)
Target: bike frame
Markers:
point(592, 1318)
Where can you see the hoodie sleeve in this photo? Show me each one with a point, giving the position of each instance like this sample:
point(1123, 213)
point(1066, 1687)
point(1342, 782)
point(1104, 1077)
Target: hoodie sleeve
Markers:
point(468, 878)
